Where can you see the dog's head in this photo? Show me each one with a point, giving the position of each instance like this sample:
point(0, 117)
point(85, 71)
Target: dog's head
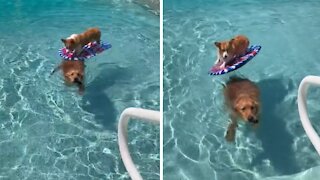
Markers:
point(74, 76)
point(248, 108)
point(226, 49)
point(69, 43)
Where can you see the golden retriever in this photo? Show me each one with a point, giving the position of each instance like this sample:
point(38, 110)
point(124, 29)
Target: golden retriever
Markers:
point(242, 96)
point(73, 73)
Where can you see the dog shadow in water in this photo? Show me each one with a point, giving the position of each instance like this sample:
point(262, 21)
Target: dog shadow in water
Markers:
point(276, 140)
point(96, 100)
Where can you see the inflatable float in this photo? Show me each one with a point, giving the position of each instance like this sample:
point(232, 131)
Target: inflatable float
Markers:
point(237, 63)
point(88, 51)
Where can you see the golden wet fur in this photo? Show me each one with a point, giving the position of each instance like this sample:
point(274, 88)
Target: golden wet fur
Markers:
point(76, 41)
point(228, 50)
point(242, 97)
point(73, 73)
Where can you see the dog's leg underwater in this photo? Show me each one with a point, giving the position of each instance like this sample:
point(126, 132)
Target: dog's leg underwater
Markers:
point(80, 86)
point(55, 69)
point(231, 131)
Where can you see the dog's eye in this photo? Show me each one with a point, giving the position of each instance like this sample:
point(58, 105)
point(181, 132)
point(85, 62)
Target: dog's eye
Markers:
point(242, 109)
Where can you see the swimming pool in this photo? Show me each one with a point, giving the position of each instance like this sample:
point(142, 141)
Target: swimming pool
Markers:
point(194, 117)
point(48, 131)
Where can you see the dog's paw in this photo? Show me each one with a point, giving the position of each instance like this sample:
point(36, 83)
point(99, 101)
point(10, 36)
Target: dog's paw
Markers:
point(217, 61)
point(231, 132)
point(223, 65)
point(230, 135)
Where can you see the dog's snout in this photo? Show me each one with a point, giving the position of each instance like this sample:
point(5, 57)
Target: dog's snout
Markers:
point(252, 119)
point(77, 80)
point(225, 54)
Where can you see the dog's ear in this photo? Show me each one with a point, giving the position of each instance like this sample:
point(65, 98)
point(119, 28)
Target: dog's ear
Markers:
point(256, 104)
point(236, 105)
point(217, 44)
point(71, 41)
point(231, 43)
point(63, 40)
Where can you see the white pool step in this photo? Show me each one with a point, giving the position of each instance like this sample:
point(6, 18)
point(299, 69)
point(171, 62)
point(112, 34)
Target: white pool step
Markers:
point(302, 106)
point(314, 172)
point(139, 114)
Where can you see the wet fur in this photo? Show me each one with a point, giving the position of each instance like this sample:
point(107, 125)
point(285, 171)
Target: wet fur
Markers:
point(242, 97)
point(76, 41)
point(228, 50)
point(73, 73)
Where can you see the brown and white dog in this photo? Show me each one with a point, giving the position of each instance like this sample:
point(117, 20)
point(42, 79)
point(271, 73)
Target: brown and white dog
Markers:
point(242, 97)
point(228, 50)
point(76, 41)
point(73, 73)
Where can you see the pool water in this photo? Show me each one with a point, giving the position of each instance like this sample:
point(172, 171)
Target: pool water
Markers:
point(49, 131)
point(195, 118)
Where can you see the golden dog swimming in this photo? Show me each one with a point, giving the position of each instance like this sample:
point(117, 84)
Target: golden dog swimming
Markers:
point(73, 73)
point(242, 97)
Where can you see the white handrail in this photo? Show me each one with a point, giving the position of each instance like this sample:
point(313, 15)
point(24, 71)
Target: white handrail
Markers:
point(302, 106)
point(137, 113)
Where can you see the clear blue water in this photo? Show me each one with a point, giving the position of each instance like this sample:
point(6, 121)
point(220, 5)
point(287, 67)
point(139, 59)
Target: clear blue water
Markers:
point(49, 131)
point(195, 119)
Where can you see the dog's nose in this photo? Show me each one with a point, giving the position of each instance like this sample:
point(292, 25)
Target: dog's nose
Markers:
point(225, 56)
point(77, 81)
point(252, 119)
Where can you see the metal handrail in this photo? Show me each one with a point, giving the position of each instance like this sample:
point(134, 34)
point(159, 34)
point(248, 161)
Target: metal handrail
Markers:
point(302, 106)
point(137, 113)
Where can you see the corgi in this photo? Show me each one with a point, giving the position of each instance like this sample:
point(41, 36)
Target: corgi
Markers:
point(73, 73)
point(242, 97)
point(229, 50)
point(76, 41)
